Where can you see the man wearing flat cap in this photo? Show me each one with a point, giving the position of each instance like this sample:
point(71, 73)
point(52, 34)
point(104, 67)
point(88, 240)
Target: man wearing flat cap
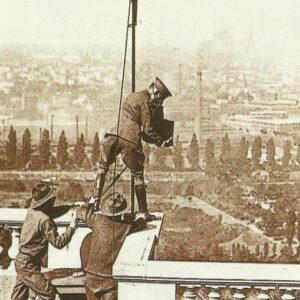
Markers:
point(110, 225)
point(140, 111)
point(38, 230)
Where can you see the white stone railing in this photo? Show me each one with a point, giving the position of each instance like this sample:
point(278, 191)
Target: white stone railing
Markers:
point(141, 277)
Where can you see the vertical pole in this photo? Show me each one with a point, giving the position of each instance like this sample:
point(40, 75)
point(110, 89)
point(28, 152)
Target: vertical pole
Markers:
point(200, 108)
point(3, 122)
point(133, 24)
point(77, 128)
point(86, 129)
point(40, 135)
point(51, 136)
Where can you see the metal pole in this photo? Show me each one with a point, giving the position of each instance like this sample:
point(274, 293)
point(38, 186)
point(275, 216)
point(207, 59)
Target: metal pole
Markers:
point(133, 24)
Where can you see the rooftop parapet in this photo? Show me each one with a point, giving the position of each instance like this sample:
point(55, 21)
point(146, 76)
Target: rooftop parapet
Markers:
point(140, 276)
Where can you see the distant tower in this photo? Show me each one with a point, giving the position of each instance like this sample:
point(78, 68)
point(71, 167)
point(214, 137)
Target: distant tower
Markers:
point(199, 110)
point(51, 135)
point(40, 135)
point(86, 129)
point(77, 128)
point(3, 123)
point(204, 124)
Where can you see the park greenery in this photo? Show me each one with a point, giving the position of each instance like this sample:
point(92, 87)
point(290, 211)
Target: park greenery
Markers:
point(235, 179)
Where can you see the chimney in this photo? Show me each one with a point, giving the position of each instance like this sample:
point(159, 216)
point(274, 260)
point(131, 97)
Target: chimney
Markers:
point(86, 129)
point(77, 128)
point(51, 134)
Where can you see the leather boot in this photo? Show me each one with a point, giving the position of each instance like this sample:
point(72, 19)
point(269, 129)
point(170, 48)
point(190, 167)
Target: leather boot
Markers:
point(140, 191)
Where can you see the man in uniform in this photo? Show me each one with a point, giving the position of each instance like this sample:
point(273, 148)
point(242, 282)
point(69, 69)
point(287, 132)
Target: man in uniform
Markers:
point(110, 226)
point(39, 229)
point(138, 113)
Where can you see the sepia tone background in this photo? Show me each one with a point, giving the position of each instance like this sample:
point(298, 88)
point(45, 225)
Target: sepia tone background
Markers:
point(229, 185)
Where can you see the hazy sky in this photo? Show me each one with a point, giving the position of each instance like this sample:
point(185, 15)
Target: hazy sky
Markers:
point(275, 23)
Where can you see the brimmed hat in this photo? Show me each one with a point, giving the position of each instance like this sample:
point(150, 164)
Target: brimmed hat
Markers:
point(161, 87)
point(113, 205)
point(41, 193)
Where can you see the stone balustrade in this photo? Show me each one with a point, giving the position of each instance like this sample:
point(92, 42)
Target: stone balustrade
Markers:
point(140, 276)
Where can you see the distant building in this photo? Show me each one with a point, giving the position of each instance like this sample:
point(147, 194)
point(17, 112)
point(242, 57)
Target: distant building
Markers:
point(257, 124)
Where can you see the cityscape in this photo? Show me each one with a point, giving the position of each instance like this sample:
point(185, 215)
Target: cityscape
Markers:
point(236, 122)
point(227, 189)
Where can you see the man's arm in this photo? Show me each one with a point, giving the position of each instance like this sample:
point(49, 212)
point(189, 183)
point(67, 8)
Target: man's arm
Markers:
point(136, 224)
point(150, 134)
point(58, 211)
point(86, 215)
point(49, 230)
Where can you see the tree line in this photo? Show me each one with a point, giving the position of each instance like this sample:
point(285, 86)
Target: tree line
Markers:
point(44, 156)
point(230, 161)
point(236, 161)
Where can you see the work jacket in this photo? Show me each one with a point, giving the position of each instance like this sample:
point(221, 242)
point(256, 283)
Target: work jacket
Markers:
point(137, 117)
point(107, 239)
point(38, 230)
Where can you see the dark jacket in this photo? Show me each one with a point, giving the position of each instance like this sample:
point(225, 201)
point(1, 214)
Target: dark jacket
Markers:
point(136, 116)
point(104, 248)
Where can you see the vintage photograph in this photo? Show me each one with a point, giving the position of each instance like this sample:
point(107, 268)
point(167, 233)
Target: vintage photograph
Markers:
point(150, 149)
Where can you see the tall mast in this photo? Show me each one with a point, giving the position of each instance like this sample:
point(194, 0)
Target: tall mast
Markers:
point(134, 4)
point(133, 24)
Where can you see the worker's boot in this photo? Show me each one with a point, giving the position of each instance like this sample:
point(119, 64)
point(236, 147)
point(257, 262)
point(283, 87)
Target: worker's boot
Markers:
point(100, 181)
point(140, 192)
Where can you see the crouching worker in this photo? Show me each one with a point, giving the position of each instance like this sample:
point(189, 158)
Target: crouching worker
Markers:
point(39, 228)
point(139, 116)
point(110, 226)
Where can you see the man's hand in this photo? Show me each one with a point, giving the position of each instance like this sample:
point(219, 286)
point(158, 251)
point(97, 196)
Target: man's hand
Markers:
point(78, 274)
point(93, 199)
point(168, 142)
point(79, 204)
point(73, 220)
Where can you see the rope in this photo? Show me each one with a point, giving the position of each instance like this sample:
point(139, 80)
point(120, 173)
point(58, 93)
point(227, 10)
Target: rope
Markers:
point(118, 122)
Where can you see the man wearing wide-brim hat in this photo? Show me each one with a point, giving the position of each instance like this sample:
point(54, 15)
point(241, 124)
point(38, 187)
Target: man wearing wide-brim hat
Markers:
point(136, 124)
point(38, 230)
point(110, 225)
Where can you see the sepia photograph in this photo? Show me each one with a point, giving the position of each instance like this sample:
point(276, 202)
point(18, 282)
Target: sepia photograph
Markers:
point(150, 149)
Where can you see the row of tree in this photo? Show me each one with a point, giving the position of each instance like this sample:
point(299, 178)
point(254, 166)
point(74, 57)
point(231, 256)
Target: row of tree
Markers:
point(237, 162)
point(230, 160)
point(46, 156)
point(177, 154)
point(263, 253)
point(49, 157)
